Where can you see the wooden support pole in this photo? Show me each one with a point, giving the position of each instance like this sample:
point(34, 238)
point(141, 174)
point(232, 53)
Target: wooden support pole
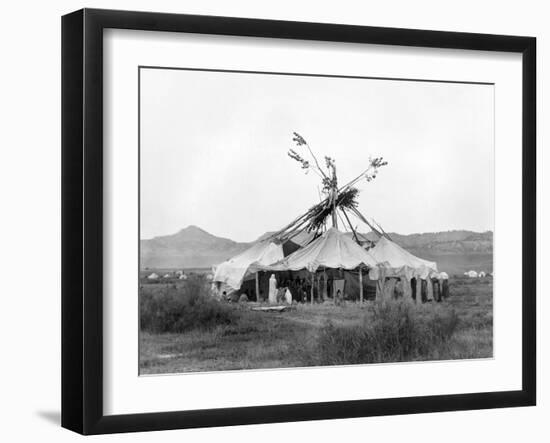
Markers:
point(318, 280)
point(418, 290)
point(334, 197)
point(360, 285)
point(334, 214)
point(364, 220)
point(312, 285)
point(325, 285)
point(257, 287)
point(406, 285)
point(351, 227)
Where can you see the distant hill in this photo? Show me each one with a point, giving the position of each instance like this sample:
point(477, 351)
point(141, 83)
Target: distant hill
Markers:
point(193, 247)
point(447, 242)
point(454, 251)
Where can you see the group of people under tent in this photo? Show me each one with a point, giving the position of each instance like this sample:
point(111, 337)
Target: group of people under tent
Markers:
point(339, 285)
point(430, 289)
point(302, 289)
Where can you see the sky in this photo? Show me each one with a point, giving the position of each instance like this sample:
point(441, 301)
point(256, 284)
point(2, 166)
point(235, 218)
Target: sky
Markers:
point(213, 151)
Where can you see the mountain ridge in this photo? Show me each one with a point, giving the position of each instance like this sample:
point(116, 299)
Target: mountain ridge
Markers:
point(193, 247)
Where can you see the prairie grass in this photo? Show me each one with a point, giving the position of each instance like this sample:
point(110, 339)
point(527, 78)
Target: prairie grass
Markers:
point(207, 335)
point(391, 331)
point(183, 307)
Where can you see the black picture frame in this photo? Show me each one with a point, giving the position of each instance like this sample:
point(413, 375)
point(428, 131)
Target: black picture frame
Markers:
point(82, 220)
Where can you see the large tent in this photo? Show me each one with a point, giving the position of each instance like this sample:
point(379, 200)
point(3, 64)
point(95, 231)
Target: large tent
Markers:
point(233, 271)
point(333, 250)
point(397, 262)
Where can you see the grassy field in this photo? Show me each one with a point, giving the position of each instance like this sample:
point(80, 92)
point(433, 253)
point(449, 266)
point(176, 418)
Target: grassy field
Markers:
point(232, 336)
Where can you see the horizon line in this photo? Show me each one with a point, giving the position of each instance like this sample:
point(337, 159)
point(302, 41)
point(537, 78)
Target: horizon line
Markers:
point(269, 231)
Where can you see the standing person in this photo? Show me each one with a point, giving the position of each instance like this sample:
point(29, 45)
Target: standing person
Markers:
point(308, 290)
point(288, 297)
point(338, 298)
point(437, 289)
point(398, 288)
point(424, 290)
point(297, 289)
point(445, 288)
point(281, 294)
point(272, 289)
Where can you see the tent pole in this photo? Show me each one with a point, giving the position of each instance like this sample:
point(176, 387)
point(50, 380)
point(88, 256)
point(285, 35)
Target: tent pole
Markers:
point(334, 197)
point(318, 280)
point(364, 220)
point(257, 287)
point(360, 285)
point(312, 285)
point(351, 227)
point(325, 286)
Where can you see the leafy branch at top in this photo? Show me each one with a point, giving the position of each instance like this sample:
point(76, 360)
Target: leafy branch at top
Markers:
point(328, 175)
point(307, 165)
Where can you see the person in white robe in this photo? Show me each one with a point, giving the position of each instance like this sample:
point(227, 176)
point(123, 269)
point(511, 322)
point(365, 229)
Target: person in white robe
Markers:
point(272, 298)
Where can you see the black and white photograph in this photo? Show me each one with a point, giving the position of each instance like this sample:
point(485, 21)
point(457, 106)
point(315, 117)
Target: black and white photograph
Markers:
point(266, 222)
point(293, 220)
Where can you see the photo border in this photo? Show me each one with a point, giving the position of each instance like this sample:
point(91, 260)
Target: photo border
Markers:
point(272, 73)
point(82, 220)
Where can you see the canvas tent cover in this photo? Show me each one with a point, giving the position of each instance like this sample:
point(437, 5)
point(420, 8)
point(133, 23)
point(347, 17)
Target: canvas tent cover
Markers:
point(395, 261)
point(333, 249)
point(233, 271)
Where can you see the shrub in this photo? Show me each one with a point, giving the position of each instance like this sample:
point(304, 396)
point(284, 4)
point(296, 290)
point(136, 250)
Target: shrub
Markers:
point(174, 308)
point(391, 331)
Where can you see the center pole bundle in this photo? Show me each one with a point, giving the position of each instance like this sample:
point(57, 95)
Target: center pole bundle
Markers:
point(337, 201)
